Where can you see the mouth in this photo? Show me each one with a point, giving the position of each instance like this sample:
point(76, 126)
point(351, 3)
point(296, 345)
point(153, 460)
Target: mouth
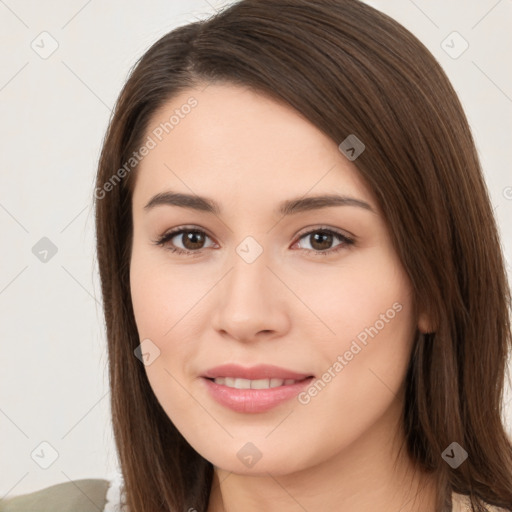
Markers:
point(253, 396)
point(253, 389)
point(240, 383)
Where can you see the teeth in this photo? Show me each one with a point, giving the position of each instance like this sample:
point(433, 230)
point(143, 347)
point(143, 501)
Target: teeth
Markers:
point(259, 384)
point(231, 382)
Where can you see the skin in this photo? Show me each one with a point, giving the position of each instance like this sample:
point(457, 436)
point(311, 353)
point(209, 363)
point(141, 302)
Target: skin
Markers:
point(289, 307)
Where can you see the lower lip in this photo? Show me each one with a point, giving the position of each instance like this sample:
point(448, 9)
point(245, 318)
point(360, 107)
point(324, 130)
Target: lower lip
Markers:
point(254, 400)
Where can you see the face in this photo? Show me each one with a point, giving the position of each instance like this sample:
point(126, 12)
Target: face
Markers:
point(317, 290)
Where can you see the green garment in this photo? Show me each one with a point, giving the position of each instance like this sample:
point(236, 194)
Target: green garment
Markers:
point(87, 495)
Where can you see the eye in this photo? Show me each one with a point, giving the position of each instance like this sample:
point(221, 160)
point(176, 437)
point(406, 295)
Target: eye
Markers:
point(320, 240)
point(192, 240)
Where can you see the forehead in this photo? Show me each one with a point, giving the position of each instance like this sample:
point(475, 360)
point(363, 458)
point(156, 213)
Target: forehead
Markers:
point(230, 142)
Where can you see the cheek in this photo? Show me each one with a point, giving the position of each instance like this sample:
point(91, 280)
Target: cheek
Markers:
point(363, 357)
point(169, 311)
point(352, 296)
point(162, 295)
point(160, 302)
point(373, 356)
point(362, 368)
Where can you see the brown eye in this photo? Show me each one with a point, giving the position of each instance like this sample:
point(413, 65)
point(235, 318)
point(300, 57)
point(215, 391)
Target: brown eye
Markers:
point(321, 241)
point(192, 240)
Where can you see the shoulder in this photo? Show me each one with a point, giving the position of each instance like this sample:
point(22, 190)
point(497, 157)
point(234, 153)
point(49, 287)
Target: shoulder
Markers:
point(86, 495)
point(461, 503)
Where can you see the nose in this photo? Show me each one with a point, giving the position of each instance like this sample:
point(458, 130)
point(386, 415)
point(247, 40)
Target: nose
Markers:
point(251, 303)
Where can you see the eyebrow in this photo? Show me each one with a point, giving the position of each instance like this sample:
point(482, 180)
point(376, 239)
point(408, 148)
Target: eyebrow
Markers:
point(288, 207)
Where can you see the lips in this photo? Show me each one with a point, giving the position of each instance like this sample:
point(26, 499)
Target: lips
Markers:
point(259, 372)
point(260, 397)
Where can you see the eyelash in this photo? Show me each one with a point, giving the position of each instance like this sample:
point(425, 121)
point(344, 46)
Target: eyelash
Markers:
point(162, 241)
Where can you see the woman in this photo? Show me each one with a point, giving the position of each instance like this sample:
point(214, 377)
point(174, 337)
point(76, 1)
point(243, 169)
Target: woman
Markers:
point(305, 299)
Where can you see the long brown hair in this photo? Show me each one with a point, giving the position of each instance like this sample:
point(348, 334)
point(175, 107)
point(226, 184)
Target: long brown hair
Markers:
point(349, 69)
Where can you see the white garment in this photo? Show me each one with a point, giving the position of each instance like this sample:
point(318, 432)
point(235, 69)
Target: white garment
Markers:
point(113, 497)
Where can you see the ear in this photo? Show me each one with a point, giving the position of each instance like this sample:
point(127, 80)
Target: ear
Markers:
point(425, 324)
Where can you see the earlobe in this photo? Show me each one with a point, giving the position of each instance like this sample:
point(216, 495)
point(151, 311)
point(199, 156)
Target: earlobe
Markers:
point(424, 324)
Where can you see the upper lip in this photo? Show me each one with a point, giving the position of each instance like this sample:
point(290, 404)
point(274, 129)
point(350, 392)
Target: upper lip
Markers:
point(261, 371)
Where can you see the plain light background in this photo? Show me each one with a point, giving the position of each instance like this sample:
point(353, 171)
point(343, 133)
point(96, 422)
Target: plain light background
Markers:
point(54, 111)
